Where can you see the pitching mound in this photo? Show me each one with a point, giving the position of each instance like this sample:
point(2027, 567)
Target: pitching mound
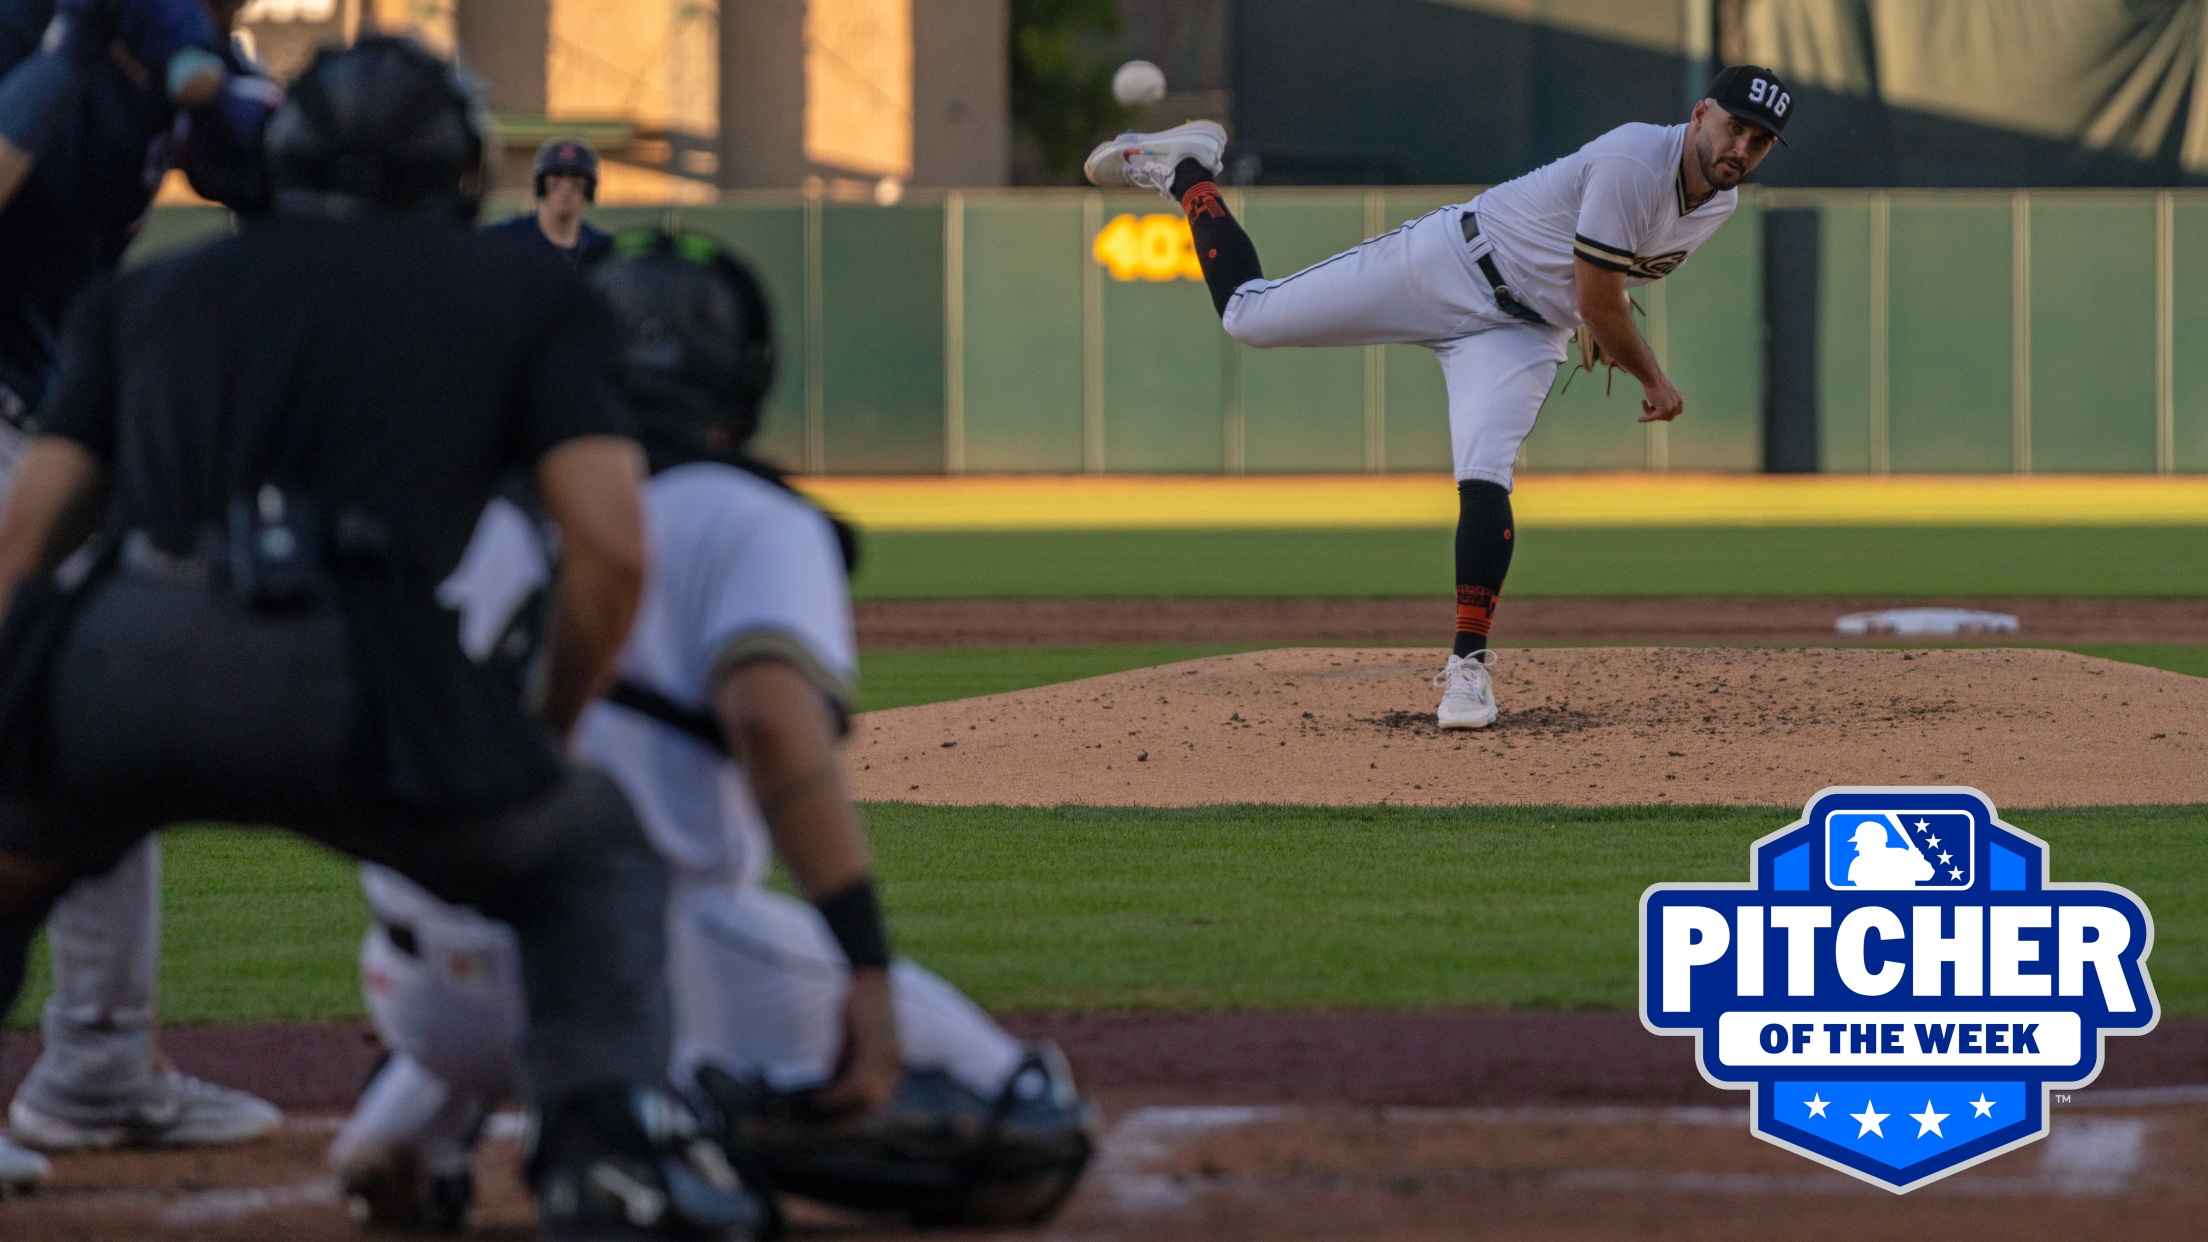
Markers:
point(1585, 726)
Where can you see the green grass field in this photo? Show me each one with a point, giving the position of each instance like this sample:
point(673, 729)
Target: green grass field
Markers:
point(1241, 907)
point(1731, 560)
point(1078, 908)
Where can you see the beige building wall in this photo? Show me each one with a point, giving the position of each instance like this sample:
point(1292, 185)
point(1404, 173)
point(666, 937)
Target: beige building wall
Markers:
point(857, 97)
point(849, 94)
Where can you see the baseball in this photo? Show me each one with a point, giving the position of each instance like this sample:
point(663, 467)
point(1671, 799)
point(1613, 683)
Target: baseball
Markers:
point(1138, 84)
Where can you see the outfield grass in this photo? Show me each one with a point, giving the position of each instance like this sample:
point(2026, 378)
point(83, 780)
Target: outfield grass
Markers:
point(1243, 907)
point(1729, 560)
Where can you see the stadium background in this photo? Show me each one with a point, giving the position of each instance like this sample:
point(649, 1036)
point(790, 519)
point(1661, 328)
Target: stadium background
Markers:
point(1980, 269)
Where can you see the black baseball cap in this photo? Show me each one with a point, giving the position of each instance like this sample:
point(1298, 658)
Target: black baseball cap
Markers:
point(1754, 94)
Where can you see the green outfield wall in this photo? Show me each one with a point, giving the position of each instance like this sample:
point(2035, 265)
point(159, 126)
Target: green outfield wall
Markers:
point(1069, 331)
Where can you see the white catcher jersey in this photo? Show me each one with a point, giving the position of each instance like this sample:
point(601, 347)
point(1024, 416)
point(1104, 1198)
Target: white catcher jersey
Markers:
point(1617, 202)
point(739, 568)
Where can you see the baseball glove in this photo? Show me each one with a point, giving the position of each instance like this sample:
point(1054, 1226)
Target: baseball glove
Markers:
point(1590, 349)
point(1592, 354)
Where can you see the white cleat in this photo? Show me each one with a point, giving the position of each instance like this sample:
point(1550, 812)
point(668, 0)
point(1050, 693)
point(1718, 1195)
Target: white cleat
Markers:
point(1467, 693)
point(180, 1111)
point(1148, 160)
point(21, 1169)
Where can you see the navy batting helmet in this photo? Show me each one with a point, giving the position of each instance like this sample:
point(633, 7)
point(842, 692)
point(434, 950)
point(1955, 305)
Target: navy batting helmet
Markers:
point(572, 156)
point(384, 123)
point(698, 342)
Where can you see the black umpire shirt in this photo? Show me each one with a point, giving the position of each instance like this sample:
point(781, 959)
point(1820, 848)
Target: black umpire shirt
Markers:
point(392, 369)
point(405, 364)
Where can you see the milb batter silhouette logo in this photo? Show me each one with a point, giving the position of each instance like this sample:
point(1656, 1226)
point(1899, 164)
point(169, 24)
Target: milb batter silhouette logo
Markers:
point(1901, 985)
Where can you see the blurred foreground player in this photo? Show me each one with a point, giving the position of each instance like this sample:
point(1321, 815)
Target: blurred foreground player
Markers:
point(284, 439)
point(566, 181)
point(85, 136)
point(1495, 287)
point(722, 728)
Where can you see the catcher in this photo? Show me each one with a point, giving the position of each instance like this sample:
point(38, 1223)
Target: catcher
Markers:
point(839, 1074)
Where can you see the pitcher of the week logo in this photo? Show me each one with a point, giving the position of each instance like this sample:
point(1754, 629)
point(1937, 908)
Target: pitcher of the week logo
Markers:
point(733, 689)
point(1496, 287)
point(1793, 983)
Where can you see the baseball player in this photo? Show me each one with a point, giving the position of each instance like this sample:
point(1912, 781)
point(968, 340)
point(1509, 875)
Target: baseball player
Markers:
point(1495, 287)
point(565, 181)
point(85, 136)
point(291, 433)
point(733, 688)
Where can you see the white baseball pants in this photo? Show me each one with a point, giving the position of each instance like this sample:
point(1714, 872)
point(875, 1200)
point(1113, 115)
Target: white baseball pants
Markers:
point(756, 979)
point(1420, 285)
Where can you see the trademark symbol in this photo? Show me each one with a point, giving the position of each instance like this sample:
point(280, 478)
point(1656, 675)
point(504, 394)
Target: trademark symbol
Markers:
point(2062, 1097)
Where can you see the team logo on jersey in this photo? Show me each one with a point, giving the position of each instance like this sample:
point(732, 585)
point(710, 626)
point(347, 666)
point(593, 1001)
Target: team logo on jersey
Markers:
point(1901, 985)
point(1659, 265)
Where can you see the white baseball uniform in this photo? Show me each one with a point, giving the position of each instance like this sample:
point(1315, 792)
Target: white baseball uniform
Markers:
point(740, 569)
point(1617, 202)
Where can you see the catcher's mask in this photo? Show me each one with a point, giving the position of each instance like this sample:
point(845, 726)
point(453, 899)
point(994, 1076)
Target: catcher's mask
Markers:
point(384, 124)
point(936, 1151)
point(572, 156)
point(697, 342)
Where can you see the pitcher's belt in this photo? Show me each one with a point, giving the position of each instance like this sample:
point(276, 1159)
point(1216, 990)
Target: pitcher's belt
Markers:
point(1505, 300)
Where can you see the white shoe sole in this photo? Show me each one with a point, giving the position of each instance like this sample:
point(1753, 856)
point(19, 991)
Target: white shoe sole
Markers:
point(1466, 722)
point(1202, 141)
point(21, 1169)
point(49, 1133)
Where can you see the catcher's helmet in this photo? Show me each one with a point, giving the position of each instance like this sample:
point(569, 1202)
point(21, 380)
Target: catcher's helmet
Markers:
point(698, 342)
point(566, 155)
point(936, 1151)
point(384, 123)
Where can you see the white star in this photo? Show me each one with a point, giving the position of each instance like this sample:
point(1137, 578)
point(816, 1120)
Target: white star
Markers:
point(1817, 1104)
point(1928, 1122)
point(1946, 858)
point(1982, 1104)
point(1871, 1119)
point(1934, 842)
point(1922, 825)
point(1954, 873)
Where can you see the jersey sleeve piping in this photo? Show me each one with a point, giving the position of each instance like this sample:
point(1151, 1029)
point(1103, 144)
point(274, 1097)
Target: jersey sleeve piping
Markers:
point(1602, 254)
point(768, 644)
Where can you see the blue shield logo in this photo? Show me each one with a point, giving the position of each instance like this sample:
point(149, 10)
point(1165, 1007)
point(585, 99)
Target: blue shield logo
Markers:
point(1901, 985)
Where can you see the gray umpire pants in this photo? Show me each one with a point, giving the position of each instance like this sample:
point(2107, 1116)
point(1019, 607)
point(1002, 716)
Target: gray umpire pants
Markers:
point(170, 703)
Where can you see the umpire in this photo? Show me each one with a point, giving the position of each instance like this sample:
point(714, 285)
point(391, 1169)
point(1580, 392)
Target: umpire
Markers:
point(290, 433)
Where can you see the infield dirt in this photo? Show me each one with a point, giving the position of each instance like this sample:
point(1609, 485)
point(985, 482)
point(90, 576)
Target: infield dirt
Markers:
point(1579, 727)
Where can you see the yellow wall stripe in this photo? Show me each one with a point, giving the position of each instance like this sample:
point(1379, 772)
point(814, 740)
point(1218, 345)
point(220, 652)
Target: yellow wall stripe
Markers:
point(1137, 502)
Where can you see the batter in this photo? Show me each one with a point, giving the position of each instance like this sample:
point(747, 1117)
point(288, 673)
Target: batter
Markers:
point(1495, 287)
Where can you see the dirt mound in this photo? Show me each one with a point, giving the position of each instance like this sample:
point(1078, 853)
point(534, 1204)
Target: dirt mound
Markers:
point(1585, 726)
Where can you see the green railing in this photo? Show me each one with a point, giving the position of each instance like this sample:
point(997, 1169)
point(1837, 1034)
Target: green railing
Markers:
point(991, 330)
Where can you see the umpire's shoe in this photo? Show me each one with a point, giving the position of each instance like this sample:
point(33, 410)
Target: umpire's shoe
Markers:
point(625, 1162)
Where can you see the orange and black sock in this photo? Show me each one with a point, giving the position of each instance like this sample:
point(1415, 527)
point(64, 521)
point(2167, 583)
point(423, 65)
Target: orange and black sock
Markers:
point(1484, 541)
point(1228, 257)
